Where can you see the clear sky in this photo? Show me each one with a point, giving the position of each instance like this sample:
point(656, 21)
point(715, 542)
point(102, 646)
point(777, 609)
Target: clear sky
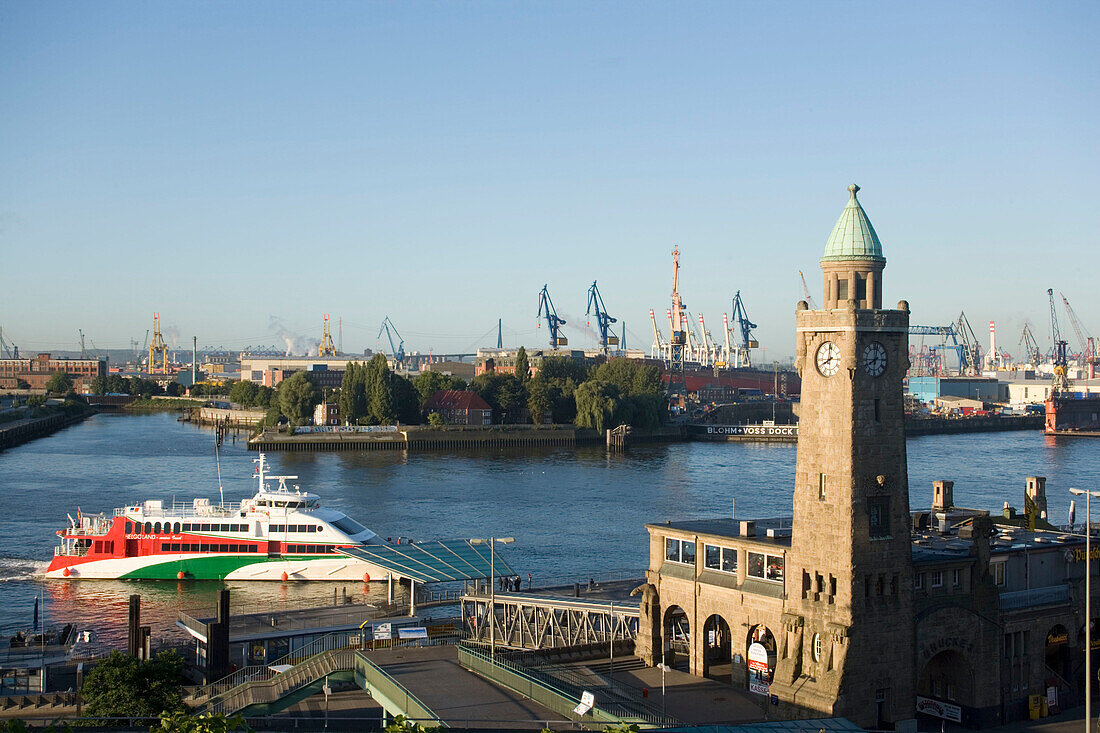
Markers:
point(244, 168)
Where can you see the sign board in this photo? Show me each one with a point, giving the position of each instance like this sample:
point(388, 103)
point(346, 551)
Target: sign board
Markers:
point(759, 673)
point(938, 709)
point(770, 431)
point(412, 632)
point(383, 631)
point(588, 700)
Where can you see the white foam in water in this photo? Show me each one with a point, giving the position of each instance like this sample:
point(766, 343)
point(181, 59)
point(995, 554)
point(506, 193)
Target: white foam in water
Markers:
point(20, 568)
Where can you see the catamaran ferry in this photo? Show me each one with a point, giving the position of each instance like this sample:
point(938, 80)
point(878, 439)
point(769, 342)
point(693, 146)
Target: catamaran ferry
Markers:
point(278, 534)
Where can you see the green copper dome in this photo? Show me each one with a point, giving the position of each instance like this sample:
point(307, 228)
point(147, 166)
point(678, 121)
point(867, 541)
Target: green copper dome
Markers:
point(853, 237)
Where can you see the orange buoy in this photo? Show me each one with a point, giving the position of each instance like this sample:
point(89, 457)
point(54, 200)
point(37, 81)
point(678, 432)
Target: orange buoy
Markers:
point(285, 576)
point(366, 577)
point(180, 575)
point(66, 572)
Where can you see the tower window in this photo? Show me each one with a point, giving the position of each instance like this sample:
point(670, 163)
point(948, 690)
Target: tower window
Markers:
point(878, 509)
point(861, 287)
point(878, 417)
point(842, 290)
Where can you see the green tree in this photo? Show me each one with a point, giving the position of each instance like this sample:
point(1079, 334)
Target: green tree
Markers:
point(22, 383)
point(36, 400)
point(244, 393)
point(436, 420)
point(353, 393)
point(523, 366)
point(98, 385)
point(406, 400)
point(539, 402)
point(117, 385)
point(379, 391)
point(563, 368)
point(122, 686)
point(631, 376)
point(297, 396)
point(264, 396)
point(597, 404)
point(59, 383)
point(504, 393)
point(428, 383)
point(174, 389)
point(202, 723)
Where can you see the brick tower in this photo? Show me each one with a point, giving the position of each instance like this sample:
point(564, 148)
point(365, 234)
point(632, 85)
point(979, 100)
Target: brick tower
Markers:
point(849, 620)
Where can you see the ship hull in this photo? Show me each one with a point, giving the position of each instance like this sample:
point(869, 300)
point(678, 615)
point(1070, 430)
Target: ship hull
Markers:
point(219, 566)
point(1070, 415)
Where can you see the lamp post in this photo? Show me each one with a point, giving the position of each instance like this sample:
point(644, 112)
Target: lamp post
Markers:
point(491, 611)
point(1088, 602)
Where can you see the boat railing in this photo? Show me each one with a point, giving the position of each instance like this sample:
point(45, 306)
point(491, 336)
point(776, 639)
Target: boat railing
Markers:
point(70, 552)
point(183, 510)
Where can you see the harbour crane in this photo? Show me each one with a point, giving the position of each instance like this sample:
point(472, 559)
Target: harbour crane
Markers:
point(678, 331)
point(398, 351)
point(327, 347)
point(553, 322)
point(603, 320)
point(971, 353)
point(1087, 342)
point(1059, 361)
point(1030, 346)
point(806, 292)
point(158, 350)
point(659, 348)
point(741, 355)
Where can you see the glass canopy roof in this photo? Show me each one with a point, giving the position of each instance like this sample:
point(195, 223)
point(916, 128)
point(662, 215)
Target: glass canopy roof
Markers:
point(435, 561)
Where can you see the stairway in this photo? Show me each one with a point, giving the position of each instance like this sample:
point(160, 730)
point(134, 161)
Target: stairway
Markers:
point(273, 689)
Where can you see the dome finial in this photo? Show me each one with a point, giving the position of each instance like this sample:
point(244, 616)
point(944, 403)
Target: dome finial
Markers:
point(853, 188)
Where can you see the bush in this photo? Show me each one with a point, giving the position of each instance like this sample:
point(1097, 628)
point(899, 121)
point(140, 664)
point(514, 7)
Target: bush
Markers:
point(122, 686)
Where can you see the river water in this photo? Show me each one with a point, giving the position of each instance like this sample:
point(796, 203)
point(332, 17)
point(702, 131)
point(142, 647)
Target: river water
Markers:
point(574, 512)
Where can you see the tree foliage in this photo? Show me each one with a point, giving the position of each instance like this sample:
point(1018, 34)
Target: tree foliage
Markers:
point(621, 391)
point(244, 393)
point(122, 686)
point(504, 393)
point(371, 394)
point(202, 723)
point(59, 383)
point(523, 366)
point(428, 383)
point(597, 404)
point(297, 396)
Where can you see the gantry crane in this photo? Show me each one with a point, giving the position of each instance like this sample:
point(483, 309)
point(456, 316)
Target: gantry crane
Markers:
point(158, 350)
point(10, 349)
point(971, 353)
point(553, 322)
point(398, 351)
point(1060, 382)
point(603, 320)
point(1087, 342)
point(806, 292)
point(741, 356)
point(1031, 347)
point(327, 347)
point(660, 348)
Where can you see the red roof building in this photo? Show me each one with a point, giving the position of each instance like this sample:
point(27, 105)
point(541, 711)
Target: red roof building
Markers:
point(459, 407)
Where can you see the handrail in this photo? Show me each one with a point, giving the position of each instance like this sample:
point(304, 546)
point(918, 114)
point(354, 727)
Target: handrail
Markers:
point(272, 689)
point(382, 685)
point(615, 702)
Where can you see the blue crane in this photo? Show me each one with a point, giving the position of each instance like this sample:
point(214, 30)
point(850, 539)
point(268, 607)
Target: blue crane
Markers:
point(744, 327)
point(603, 320)
point(553, 323)
point(390, 330)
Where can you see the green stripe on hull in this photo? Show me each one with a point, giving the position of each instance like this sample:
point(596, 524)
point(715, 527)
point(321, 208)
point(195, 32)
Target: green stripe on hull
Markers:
point(210, 567)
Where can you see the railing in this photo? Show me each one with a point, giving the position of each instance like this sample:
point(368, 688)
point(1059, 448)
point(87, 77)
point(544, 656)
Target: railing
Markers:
point(183, 509)
point(260, 672)
point(74, 552)
point(385, 688)
point(559, 688)
point(259, 692)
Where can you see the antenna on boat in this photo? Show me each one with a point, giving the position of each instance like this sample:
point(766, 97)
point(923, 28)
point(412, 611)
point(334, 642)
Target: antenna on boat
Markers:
point(218, 461)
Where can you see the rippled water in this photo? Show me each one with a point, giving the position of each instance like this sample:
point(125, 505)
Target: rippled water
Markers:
point(575, 512)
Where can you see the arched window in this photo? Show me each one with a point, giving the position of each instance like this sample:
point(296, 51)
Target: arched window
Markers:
point(148, 528)
point(176, 528)
point(156, 528)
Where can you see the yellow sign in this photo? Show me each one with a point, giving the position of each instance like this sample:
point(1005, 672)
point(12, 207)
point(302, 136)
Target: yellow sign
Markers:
point(1079, 554)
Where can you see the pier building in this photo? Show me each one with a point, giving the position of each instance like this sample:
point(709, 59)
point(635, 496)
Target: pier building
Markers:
point(855, 606)
point(38, 370)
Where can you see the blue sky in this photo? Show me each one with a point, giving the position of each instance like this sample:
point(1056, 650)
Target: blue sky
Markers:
point(245, 167)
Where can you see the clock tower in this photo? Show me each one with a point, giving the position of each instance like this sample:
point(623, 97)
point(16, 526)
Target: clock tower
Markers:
point(849, 609)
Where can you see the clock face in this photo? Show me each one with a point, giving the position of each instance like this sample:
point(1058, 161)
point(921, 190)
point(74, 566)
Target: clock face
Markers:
point(874, 358)
point(828, 358)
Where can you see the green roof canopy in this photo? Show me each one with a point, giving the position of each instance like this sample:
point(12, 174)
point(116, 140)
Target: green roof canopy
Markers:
point(433, 562)
point(853, 237)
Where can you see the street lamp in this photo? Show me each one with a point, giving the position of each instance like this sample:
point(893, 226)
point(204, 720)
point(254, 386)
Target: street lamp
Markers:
point(491, 611)
point(1088, 601)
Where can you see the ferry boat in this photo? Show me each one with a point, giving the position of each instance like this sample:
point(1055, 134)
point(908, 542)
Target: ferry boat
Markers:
point(280, 533)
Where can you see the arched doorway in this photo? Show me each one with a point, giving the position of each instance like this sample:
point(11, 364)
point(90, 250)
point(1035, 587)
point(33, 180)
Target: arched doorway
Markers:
point(760, 654)
point(949, 678)
point(677, 636)
point(1057, 651)
point(717, 649)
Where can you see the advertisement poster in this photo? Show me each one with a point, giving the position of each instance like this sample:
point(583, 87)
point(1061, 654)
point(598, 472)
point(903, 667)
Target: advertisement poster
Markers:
point(760, 676)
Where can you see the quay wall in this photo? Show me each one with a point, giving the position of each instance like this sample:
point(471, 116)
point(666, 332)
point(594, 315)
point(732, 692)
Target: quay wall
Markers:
point(17, 434)
point(221, 416)
point(417, 438)
point(943, 425)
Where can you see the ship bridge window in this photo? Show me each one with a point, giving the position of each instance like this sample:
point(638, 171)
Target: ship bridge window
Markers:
point(129, 527)
point(156, 528)
point(347, 525)
point(148, 528)
point(176, 528)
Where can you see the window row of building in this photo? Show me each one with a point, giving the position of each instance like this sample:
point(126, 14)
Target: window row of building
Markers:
point(759, 565)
